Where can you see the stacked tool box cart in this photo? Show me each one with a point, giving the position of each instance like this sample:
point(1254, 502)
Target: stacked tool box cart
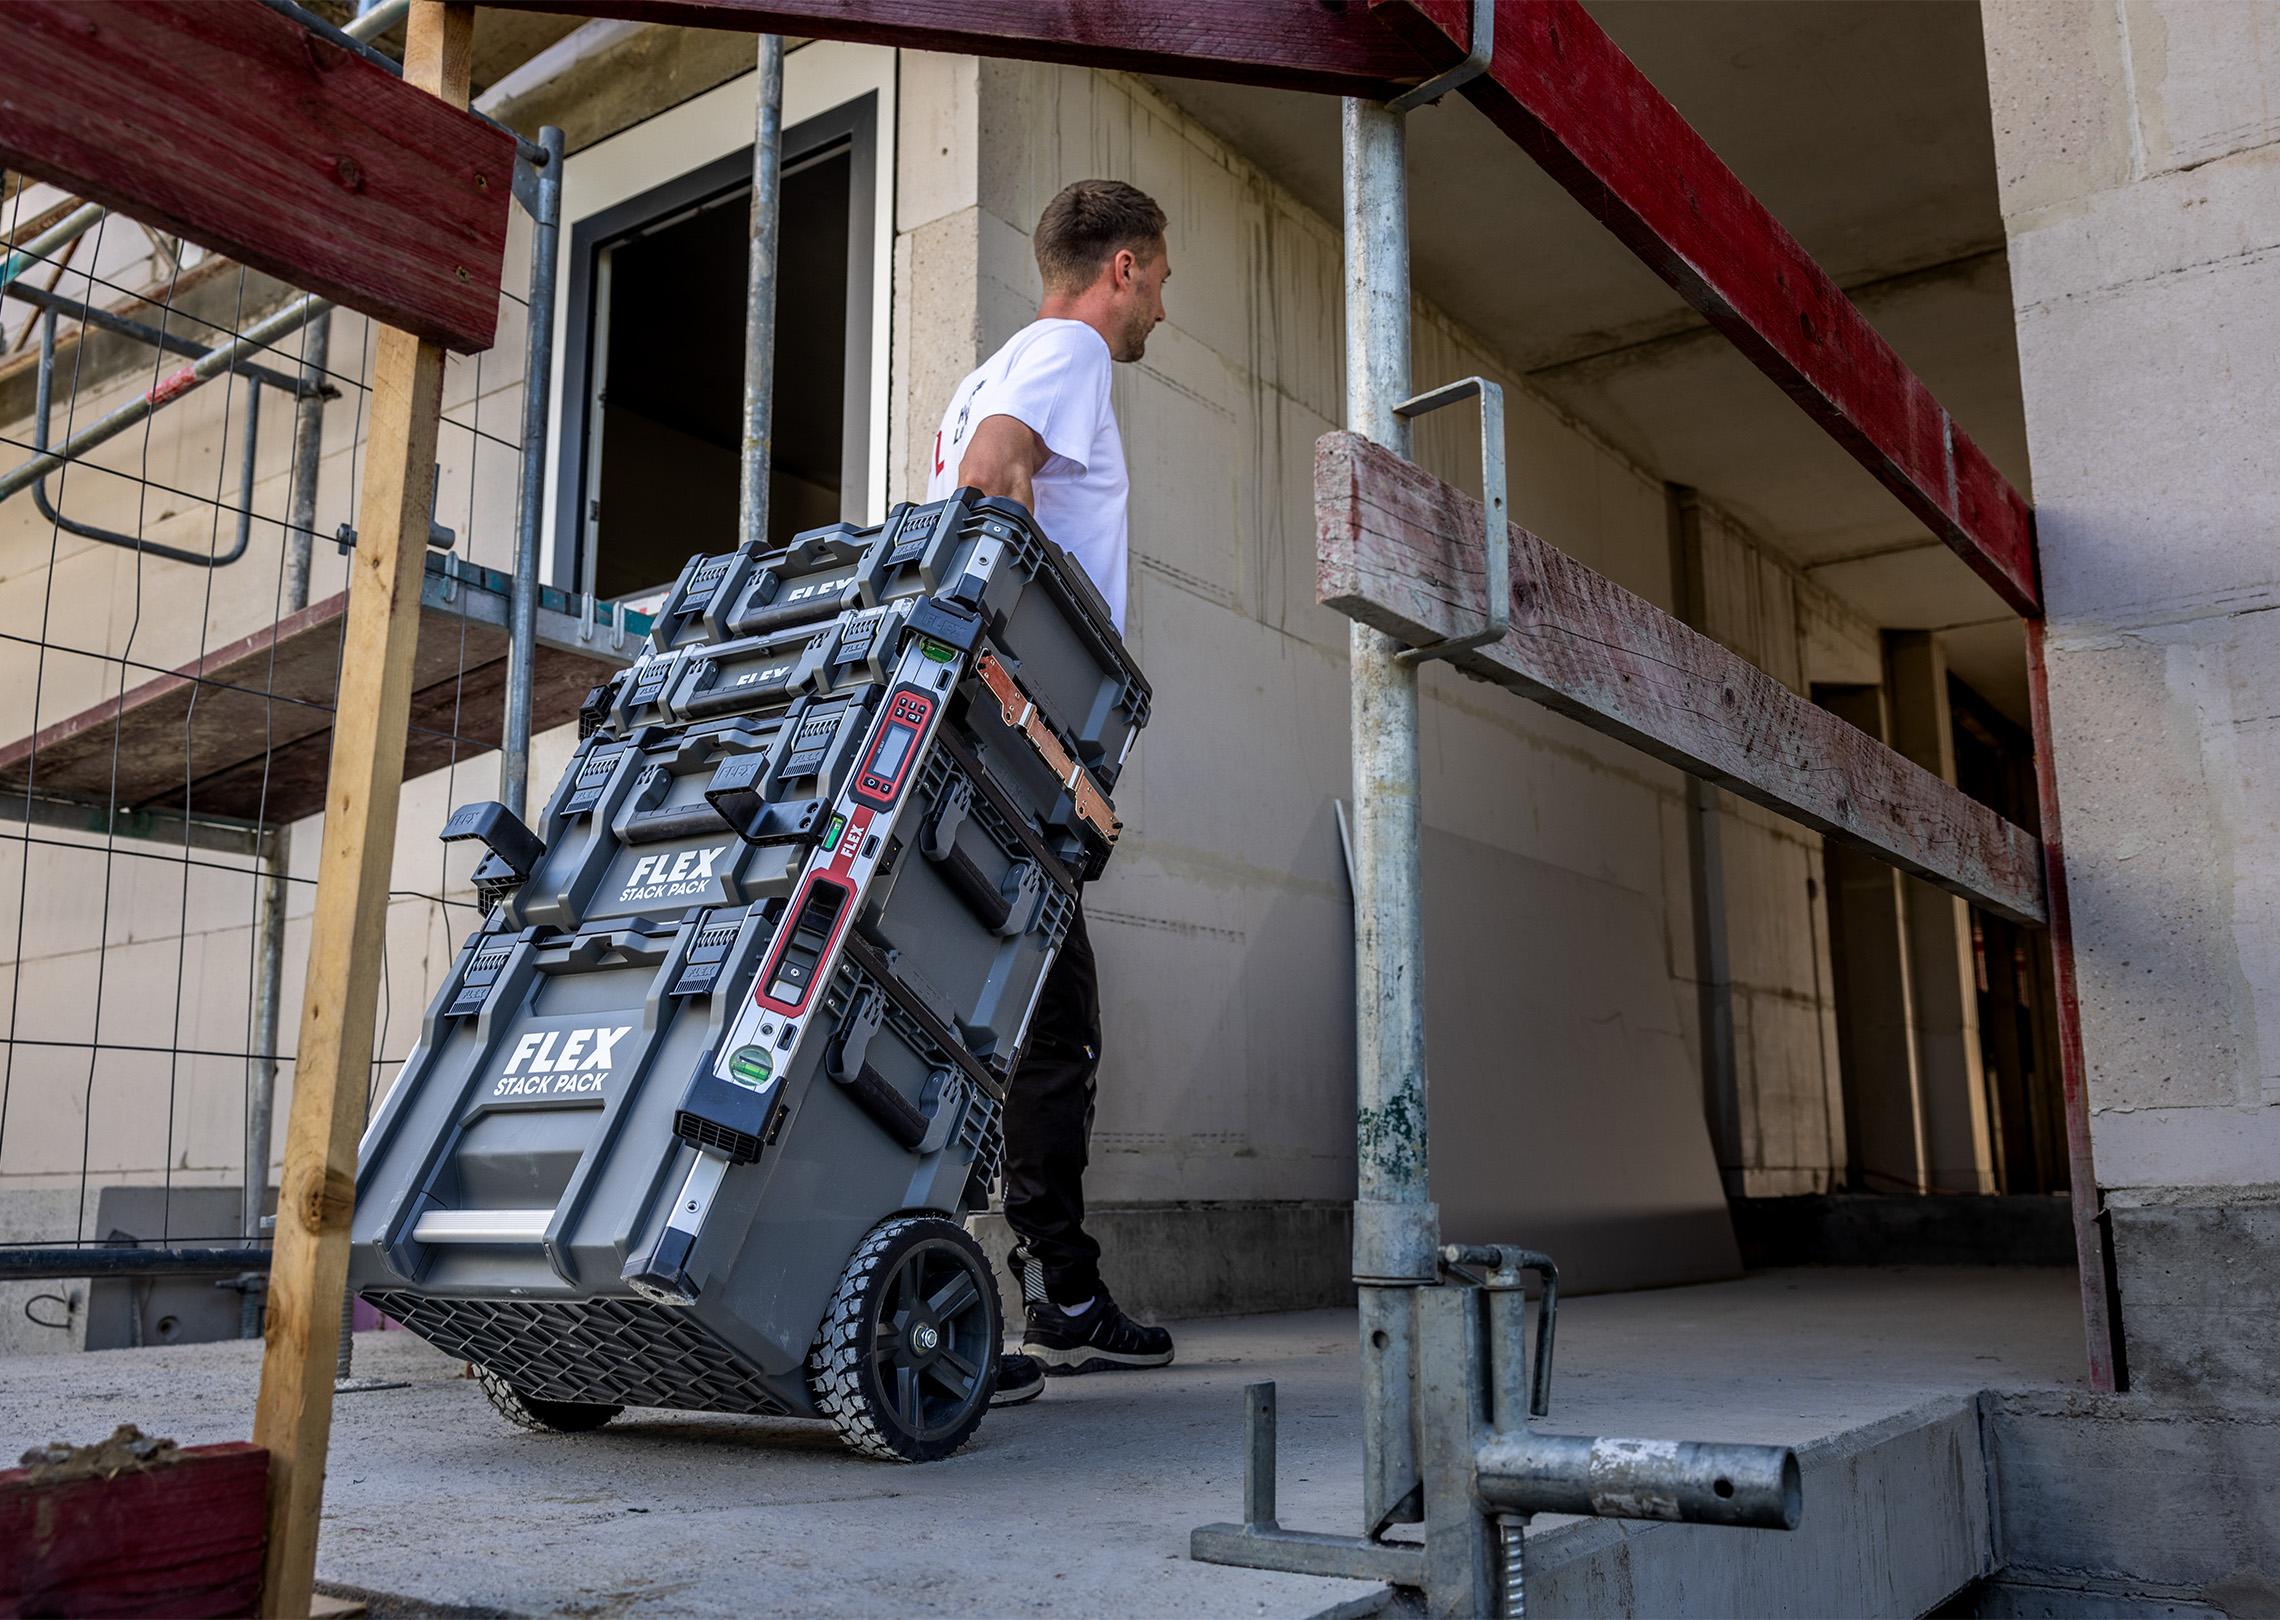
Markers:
point(695, 1120)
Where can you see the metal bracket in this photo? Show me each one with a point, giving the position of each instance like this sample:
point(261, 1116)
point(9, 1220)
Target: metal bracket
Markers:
point(1501, 1266)
point(1492, 490)
point(1471, 68)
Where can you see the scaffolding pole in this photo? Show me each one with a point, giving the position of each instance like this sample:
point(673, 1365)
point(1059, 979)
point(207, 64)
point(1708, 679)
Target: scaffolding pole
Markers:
point(277, 843)
point(538, 392)
point(1395, 1224)
point(760, 296)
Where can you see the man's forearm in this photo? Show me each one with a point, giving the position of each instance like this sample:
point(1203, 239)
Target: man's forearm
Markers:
point(1010, 479)
point(1003, 460)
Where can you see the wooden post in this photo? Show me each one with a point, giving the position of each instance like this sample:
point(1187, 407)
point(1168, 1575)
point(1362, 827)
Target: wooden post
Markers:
point(348, 933)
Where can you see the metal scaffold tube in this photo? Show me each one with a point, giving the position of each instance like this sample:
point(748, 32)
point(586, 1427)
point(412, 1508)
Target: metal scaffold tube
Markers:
point(538, 390)
point(61, 234)
point(760, 296)
point(261, 335)
point(276, 850)
point(1395, 1225)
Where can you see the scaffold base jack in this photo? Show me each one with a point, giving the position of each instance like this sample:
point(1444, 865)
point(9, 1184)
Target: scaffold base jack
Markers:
point(1486, 1470)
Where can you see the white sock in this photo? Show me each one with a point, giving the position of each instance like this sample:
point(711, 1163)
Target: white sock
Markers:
point(1079, 1310)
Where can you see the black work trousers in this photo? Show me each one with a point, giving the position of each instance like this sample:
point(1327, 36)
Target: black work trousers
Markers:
point(1048, 1124)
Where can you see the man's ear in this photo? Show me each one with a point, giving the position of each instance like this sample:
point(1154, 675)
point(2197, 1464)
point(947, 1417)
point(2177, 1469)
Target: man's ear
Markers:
point(1123, 268)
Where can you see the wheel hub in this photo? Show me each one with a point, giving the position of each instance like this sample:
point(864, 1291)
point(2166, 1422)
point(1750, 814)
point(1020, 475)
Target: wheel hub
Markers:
point(924, 1338)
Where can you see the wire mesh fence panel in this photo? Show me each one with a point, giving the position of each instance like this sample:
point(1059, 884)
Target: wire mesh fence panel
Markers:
point(172, 597)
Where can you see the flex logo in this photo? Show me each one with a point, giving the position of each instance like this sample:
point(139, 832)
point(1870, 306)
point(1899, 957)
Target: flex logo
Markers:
point(549, 1064)
point(672, 876)
point(815, 587)
point(773, 675)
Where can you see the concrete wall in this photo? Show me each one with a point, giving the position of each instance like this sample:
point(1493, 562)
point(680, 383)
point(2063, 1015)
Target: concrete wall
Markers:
point(2139, 148)
point(1562, 957)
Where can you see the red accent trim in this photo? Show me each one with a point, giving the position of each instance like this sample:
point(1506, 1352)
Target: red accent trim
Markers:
point(836, 869)
point(906, 707)
point(2101, 1328)
point(767, 975)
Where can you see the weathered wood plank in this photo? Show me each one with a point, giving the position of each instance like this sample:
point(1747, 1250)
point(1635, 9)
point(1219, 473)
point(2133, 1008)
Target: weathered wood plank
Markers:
point(1577, 105)
point(1401, 551)
point(1288, 44)
point(181, 1537)
point(232, 125)
point(246, 731)
point(348, 928)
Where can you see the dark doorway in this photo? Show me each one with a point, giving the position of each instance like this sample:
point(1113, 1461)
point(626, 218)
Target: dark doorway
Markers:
point(656, 375)
point(2018, 1029)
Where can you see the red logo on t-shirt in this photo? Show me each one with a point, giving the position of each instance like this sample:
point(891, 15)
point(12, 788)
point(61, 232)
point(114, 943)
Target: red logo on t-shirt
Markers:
point(937, 450)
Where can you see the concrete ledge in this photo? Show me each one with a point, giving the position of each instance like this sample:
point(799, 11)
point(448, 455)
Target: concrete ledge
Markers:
point(1896, 1521)
point(2199, 1274)
point(2119, 1504)
point(1207, 1259)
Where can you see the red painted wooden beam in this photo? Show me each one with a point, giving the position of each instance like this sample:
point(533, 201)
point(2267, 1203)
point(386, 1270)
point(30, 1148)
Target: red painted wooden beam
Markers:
point(1401, 551)
point(180, 1537)
point(232, 125)
point(1576, 104)
point(1287, 44)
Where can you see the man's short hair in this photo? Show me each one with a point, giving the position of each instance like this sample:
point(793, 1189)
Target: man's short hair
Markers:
point(1087, 225)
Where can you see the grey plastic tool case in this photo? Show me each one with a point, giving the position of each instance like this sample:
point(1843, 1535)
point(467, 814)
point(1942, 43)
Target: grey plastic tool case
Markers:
point(757, 982)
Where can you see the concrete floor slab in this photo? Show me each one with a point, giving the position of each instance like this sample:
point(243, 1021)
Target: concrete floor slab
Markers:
point(1081, 1502)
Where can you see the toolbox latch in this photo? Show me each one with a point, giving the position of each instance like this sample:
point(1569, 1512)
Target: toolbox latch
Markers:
point(500, 831)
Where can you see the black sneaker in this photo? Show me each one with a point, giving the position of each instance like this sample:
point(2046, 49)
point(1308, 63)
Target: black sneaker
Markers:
point(1099, 1339)
point(1020, 1379)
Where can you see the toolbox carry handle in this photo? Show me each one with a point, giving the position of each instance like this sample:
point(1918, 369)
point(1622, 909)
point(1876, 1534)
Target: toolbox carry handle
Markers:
point(675, 821)
point(843, 1061)
point(1001, 914)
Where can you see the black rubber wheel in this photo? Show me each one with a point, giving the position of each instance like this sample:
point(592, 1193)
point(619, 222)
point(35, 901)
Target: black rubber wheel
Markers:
point(906, 1360)
point(539, 1416)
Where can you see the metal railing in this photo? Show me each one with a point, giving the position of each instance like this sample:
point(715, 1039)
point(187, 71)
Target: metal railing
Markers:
point(286, 350)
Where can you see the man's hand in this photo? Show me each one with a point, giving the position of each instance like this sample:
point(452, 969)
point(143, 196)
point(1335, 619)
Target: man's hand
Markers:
point(1003, 459)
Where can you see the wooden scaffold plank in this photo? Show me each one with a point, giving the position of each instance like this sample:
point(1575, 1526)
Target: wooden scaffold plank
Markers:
point(348, 930)
point(1402, 551)
point(236, 127)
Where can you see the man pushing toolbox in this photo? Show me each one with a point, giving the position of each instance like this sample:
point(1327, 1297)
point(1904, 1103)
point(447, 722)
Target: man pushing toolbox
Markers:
point(698, 1115)
point(1034, 423)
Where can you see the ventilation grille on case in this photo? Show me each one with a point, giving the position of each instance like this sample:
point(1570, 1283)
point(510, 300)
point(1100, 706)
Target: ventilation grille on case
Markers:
point(610, 1352)
point(738, 1147)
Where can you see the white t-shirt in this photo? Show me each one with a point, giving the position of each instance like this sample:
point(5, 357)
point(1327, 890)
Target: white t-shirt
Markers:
point(1053, 375)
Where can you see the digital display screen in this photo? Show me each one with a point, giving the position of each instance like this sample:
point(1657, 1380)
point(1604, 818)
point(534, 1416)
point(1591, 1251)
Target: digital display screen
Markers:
point(893, 750)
